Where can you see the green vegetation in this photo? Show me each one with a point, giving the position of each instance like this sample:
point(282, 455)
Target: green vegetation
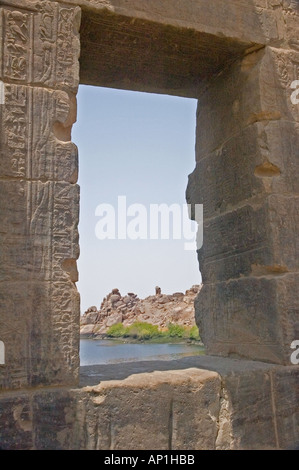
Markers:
point(116, 331)
point(142, 330)
point(147, 331)
point(176, 331)
point(194, 333)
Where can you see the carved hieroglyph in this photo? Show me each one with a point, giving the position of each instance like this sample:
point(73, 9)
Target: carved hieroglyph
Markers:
point(39, 197)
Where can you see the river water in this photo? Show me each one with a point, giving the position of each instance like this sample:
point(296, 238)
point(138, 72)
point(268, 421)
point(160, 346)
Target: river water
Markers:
point(113, 352)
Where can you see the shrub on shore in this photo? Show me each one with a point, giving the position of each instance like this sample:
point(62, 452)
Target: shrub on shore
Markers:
point(147, 331)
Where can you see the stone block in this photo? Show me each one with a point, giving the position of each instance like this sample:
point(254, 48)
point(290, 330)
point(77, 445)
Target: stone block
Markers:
point(233, 19)
point(53, 419)
point(255, 89)
point(247, 398)
point(234, 242)
point(260, 160)
point(225, 178)
point(16, 422)
point(152, 56)
point(252, 317)
point(198, 401)
point(256, 239)
point(148, 411)
point(285, 389)
point(39, 326)
point(39, 230)
point(41, 44)
point(36, 134)
point(210, 403)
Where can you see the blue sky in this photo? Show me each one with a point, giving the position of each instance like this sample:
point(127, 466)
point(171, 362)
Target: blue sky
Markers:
point(141, 146)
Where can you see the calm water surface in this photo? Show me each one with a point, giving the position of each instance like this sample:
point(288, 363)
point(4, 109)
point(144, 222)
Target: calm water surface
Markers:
point(112, 352)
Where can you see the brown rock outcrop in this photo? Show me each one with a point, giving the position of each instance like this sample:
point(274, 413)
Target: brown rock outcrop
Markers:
point(159, 309)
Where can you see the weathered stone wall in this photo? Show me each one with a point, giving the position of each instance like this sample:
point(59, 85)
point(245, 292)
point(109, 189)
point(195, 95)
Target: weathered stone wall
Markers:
point(245, 177)
point(206, 403)
point(39, 69)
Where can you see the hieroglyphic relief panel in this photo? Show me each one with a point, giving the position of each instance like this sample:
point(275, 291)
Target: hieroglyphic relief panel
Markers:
point(13, 214)
point(55, 239)
point(28, 146)
point(38, 229)
point(65, 222)
point(67, 72)
point(55, 61)
point(53, 227)
point(277, 87)
point(48, 314)
point(64, 297)
point(14, 131)
point(39, 76)
point(40, 44)
point(51, 158)
point(17, 27)
point(65, 318)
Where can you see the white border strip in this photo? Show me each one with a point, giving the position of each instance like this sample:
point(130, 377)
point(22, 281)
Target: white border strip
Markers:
point(2, 93)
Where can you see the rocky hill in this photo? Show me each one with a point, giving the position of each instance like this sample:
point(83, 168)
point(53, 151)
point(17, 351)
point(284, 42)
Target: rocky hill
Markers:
point(159, 309)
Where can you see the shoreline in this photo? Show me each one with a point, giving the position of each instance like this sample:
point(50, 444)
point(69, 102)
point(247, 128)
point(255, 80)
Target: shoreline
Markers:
point(127, 340)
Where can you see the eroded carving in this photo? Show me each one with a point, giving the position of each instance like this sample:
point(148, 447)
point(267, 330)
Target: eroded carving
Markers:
point(17, 26)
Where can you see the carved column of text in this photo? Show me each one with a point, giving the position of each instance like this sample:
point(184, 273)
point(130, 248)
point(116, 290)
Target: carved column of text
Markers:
point(39, 70)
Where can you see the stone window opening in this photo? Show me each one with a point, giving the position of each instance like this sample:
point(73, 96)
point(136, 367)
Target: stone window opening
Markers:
point(148, 107)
